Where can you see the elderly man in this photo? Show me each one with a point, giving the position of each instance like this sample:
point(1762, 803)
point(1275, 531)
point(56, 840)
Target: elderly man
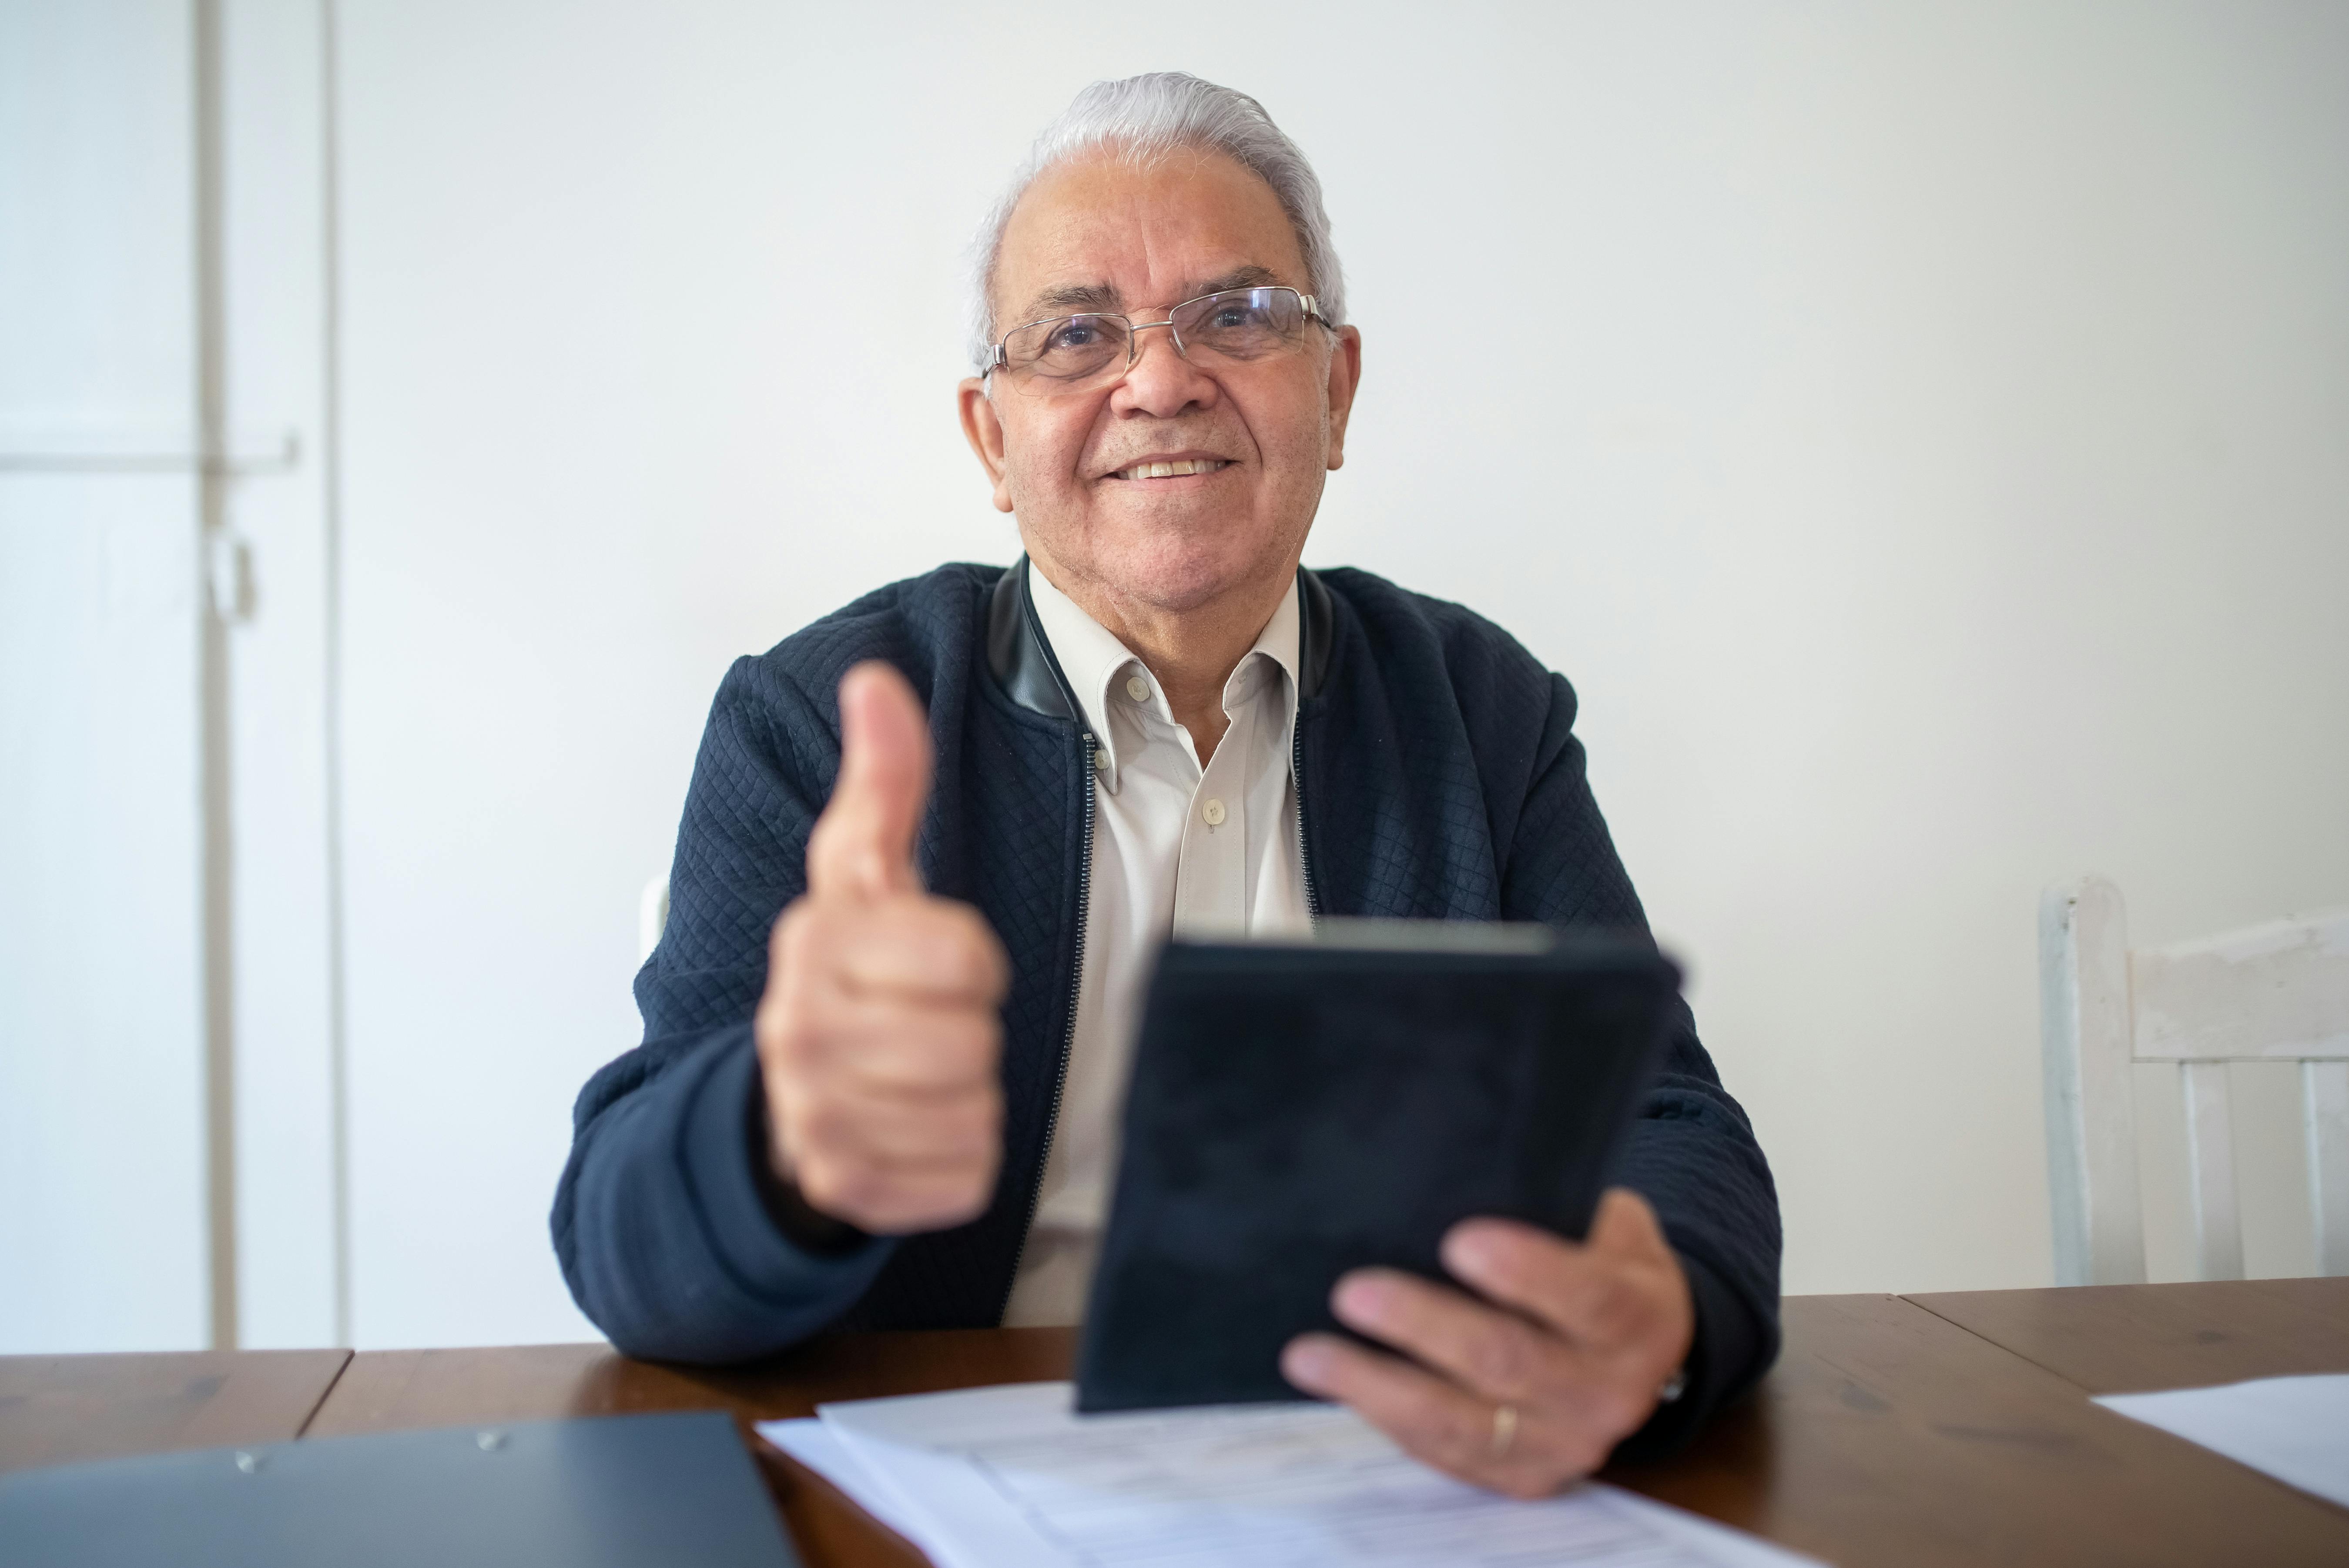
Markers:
point(933, 839)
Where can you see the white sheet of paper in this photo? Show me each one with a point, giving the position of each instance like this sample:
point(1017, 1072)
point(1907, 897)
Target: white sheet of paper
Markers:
point(2293, 1428)
point(987, 1477)
point(807, 1440)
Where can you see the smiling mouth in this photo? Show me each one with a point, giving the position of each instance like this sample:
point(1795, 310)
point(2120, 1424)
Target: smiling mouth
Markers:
point(1179, 468)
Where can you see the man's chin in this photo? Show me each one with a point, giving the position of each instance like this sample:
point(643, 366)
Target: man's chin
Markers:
point(1173, 560)
point(1174, 573)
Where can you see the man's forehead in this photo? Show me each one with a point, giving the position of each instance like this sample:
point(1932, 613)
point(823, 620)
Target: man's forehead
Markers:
point(1107, 233)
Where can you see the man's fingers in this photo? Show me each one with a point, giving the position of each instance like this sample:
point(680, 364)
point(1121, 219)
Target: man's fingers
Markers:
point(1439, 1424)
point(863, 845)
point(908, 947)
point(1419, 1410)
point(894, 1200)
point(1601, 1294)
point(923, 946)
point(1492, 1352)
point(913, 1053)
point(891, 1164)
point(963, 1130)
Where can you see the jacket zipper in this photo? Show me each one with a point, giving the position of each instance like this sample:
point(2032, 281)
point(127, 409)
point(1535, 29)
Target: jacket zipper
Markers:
point(1085, 752)
point(1304, 860)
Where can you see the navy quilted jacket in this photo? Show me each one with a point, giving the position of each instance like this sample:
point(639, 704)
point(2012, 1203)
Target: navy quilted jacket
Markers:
point(1440, 778)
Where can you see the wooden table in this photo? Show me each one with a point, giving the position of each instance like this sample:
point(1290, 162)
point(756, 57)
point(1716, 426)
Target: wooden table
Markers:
point(1933, 1429)
point(2133, 1338)
point(1890, 1434)
point(59, 1409)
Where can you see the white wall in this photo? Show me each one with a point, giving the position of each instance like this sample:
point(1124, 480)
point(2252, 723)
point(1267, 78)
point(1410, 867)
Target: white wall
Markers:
point(1920, 432)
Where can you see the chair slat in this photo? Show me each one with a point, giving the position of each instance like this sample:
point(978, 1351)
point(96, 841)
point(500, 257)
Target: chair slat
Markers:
point(2211, 1171)
point(652, 917)
point(2324, 1120)
point(2278, 991)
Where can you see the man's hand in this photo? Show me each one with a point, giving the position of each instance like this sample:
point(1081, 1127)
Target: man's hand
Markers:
point(878, 1034)
point(1528, 1389)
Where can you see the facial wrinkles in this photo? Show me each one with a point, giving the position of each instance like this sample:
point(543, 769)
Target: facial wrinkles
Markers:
point(1159, 241)
point(1121, 435)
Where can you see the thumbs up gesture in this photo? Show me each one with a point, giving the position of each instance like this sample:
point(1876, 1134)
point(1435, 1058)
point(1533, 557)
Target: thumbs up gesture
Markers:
point(878, 1034)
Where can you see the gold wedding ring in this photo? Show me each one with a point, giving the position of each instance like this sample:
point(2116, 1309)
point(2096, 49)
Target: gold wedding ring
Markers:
point(1504, 1429)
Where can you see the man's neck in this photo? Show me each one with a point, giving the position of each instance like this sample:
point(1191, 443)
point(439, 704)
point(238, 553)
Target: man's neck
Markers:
point(1192, 652)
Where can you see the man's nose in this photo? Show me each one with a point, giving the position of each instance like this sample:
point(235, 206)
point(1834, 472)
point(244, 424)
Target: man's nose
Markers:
point(1161, 382)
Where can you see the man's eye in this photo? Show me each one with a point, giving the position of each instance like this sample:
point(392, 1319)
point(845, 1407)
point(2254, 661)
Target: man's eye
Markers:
point(1239, 318)
point(1075, 335)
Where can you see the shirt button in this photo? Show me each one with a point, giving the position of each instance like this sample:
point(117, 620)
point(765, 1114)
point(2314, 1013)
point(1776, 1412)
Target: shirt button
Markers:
point(1213, 811)
point(1101, 758)
point(1137, 688)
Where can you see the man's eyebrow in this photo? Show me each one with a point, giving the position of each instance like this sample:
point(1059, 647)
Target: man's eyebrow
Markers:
point(1248, 277)
point(1068, 299)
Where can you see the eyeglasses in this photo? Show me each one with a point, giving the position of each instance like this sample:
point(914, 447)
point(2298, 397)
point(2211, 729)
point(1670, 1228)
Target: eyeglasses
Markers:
point(1078, 353)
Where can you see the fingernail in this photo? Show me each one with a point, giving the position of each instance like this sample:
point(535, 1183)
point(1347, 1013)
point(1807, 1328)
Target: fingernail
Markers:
point(1467, 1250)
point(1360, 1302)
point(1305, 1363)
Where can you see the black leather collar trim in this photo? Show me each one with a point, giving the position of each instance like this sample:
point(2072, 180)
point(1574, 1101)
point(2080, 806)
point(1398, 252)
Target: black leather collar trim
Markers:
point(1313, 634)
point(1019, 656)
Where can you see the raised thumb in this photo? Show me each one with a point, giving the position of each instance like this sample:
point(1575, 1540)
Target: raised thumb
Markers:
point(862, 846)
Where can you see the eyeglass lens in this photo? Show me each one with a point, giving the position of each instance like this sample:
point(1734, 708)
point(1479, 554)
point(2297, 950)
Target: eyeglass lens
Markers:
point(1238, 325)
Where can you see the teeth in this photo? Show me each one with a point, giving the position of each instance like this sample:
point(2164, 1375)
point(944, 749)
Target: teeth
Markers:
point(1172, 470)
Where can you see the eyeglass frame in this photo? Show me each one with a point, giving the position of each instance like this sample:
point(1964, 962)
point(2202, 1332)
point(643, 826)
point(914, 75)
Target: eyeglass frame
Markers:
point(1000, 358)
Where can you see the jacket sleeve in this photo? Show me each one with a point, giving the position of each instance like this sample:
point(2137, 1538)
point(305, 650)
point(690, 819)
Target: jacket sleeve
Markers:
point(1691, 1151)
point(665, 1221)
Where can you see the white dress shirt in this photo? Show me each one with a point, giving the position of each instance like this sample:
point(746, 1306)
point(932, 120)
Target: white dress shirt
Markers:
point(1211, 851)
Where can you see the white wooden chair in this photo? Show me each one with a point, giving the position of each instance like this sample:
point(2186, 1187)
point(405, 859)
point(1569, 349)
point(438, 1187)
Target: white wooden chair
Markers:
point(2278, 992)
point(652, 916)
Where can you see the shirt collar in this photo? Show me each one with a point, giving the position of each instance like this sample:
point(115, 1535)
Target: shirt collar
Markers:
point(1092, 658)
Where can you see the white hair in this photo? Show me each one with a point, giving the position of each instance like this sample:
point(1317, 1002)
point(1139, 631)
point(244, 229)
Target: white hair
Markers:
point(1145, 117)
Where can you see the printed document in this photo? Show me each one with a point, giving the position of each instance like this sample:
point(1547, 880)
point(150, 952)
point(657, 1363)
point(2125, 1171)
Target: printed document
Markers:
point(987, 1477)
point(2293, 1428)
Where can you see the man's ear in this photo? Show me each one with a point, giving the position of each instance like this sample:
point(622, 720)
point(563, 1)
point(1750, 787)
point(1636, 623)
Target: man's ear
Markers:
point(983, 430)
point(1345, 376)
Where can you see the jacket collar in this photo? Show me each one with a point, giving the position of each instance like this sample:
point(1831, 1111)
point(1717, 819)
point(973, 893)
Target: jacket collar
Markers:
point(1019, 656)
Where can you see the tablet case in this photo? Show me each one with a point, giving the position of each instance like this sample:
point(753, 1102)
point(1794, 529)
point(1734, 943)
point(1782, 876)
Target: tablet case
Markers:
point(1300, 1110)
point(619, 1492)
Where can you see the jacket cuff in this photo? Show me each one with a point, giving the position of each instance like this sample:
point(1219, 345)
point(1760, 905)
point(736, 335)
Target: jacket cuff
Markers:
point(739, 1193)
point(1727, 1354)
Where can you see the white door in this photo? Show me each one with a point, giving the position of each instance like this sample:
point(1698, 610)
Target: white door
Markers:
point(103, 1186)
point(169, 1131)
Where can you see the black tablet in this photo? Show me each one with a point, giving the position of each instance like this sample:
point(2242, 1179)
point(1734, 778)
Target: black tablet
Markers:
point(1298, 1110)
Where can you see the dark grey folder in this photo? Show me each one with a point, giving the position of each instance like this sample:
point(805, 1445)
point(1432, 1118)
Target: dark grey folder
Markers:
point(618, 1491)
point(1296, 1110)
